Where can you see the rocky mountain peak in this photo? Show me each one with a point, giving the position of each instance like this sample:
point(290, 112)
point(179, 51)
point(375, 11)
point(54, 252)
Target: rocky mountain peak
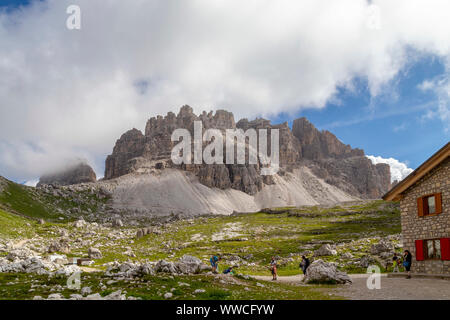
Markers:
point(78, 172)
point(338, 164)
point(318, 145)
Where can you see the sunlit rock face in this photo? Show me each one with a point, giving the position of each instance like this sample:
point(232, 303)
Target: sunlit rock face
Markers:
point(328, 158)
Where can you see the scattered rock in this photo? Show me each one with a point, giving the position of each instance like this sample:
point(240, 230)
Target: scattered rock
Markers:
point(168, 295)
point(366, 261)
point(95, 253)
point(59, 246)
point(199, 291)
point(80, 223)
point(347, 255)
point(325, 250)
point(117, 223)
point(86, 291)
point(382, 246)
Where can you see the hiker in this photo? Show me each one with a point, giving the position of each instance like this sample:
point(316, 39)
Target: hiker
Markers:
point(229, 271)
point(273, 268)
point(395, 262)
point(304, 264)
point(214, 263)
point(407, 263)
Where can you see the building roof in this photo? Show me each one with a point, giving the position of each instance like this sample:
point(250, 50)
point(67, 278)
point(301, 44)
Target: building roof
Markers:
point(396, 193)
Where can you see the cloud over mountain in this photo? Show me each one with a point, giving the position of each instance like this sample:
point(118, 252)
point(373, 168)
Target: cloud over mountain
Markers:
point(399, 170)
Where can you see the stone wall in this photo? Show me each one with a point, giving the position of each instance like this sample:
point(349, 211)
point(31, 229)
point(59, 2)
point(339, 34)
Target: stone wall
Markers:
point(427, 227)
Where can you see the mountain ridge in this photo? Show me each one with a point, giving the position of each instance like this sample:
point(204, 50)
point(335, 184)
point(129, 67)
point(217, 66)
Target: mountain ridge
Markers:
point(338, 164)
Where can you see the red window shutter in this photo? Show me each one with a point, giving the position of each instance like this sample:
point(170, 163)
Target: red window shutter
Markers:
point(445, 249)
point(420, 206)
point(438, 199)
point(419, 250)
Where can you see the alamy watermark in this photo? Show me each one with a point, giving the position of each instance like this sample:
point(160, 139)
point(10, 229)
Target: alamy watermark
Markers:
point(213, 152)
point(374, 280)
point(74, 281)
point(73, 22)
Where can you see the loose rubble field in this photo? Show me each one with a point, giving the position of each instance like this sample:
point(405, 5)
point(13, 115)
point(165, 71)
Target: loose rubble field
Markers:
point(169, 259)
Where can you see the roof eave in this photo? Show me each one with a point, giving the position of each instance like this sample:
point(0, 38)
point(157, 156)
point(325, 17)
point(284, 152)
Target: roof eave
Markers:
point(396, 193)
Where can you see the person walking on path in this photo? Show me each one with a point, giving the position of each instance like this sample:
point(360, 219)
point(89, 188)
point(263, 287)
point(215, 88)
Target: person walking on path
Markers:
point(407, 261)
point(273, 268)
point(214, 263)
point(304, 265)
point(395, 262)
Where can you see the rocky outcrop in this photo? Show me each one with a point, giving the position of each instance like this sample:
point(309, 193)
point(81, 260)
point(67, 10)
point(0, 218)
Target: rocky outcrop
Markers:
point(325, 250)
point(318, 145)
point(94, 253)
point(338, 164)
point(322, 272)
point(73, 174)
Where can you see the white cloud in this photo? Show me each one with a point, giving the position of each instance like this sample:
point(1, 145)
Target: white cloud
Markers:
point(72, 93)
point(399, 170)
point(31, 183)
point(441, 88)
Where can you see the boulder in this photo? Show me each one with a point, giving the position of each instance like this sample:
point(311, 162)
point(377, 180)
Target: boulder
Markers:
point(168, 295)
point(59, 246)
point(166, 267)
point(189, 265)
point(86, 291)
point(323, 272)
point(366, 261)
point(67, 271)
point(95, 253)
point(347, 255)
point(80, 223)
point(117, 223)
point(325, 250)
point(382, 246)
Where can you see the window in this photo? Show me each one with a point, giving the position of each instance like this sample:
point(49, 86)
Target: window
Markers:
point(430, 204)
point(432, 249)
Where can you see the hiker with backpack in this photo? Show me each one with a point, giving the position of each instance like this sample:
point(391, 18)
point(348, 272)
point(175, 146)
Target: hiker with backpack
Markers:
point(304, 264)
point(214, 263)
point(407, 261)
point(273, 268)
point(229, 271)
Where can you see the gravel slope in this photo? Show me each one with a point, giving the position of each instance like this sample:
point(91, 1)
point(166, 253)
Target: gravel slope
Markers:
point(175, 191)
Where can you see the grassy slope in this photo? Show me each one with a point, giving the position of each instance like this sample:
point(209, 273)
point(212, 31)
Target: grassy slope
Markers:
point(26, 286)
point(13, 226)
point(282, 233)
point(33, 203)
point(269, 235)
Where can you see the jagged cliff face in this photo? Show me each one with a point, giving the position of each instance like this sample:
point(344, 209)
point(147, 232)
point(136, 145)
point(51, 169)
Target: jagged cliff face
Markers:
point(73, 174)
point(338, 164)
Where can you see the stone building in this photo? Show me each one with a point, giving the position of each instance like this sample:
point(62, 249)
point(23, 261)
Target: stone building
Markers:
point(425, 213)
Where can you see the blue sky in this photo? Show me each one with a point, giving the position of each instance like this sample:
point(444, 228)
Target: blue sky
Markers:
point(392, 125)
point(14, 3)
point(73, 93)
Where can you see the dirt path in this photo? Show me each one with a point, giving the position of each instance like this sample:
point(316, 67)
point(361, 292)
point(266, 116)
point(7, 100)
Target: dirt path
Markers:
point(391, 288)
